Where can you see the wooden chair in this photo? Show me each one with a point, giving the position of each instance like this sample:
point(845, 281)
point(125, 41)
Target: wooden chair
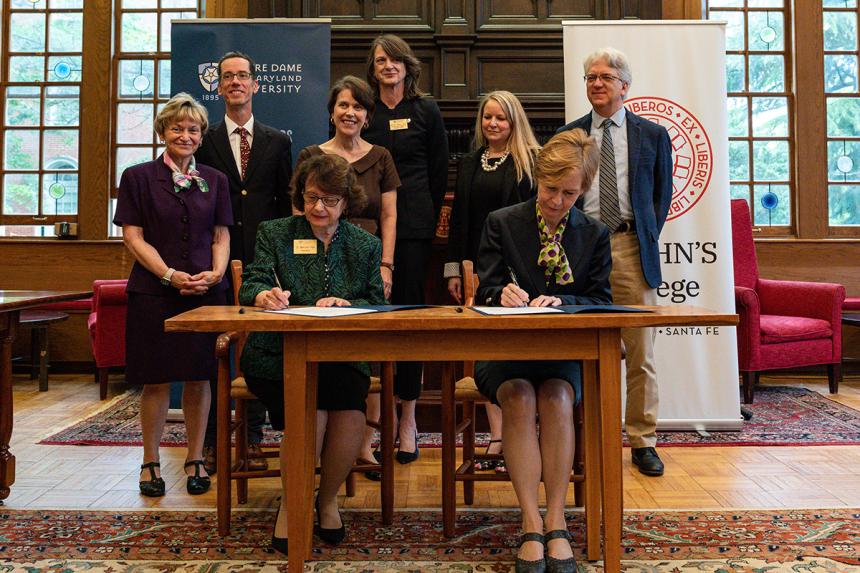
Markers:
point(234, 389)
point(466, 394)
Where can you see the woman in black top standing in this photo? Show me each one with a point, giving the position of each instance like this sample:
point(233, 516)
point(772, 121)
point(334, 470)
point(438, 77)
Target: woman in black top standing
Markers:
point(410, 127)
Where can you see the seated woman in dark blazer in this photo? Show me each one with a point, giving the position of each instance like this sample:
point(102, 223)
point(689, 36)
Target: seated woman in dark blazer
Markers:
point(338, 265)
point(543, 252)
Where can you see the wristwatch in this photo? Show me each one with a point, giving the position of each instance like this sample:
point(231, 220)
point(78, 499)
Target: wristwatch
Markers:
point(165, 280)
point(389, 266)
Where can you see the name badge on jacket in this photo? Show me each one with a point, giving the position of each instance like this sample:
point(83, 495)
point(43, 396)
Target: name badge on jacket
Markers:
point(305, 246)
point(398, 124)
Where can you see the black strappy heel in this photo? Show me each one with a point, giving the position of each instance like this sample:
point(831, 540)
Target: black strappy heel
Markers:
point(154, 487)
point(197, 484)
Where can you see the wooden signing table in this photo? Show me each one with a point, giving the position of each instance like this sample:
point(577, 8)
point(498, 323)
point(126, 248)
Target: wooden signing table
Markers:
point(443, 334)
point(11, 304)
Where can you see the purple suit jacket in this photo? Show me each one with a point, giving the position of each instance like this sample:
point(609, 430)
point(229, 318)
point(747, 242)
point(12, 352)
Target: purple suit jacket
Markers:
point(180, 226)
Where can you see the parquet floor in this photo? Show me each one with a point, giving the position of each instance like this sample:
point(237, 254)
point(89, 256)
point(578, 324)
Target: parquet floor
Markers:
point(99, 477)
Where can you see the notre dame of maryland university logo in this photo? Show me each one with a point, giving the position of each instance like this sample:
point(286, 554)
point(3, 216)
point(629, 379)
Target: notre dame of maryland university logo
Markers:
point(693, 158)
point(207, 73)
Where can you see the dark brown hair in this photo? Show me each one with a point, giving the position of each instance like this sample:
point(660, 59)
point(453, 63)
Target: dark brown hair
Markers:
point(397, 49)
point(333, 176)
point(360, 91)
point(242, 55)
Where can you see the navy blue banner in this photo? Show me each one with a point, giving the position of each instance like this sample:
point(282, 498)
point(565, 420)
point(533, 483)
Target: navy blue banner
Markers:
point(292, 58)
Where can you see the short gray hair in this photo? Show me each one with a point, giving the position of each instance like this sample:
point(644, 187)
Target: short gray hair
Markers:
point(614, 59)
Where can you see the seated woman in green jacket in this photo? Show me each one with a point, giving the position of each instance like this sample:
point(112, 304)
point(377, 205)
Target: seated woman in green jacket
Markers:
point(315, 259)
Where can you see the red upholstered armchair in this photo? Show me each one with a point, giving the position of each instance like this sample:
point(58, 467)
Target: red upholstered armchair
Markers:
point(106, 324)
point(783, 324)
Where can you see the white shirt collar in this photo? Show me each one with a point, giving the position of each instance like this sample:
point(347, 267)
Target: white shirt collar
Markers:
point(617, 118)
point(232, 125)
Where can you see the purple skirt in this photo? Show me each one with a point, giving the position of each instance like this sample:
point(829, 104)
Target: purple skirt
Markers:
point(156, 357)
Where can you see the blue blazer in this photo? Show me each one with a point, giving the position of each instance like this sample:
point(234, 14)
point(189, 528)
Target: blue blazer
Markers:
point(511, 241)
point(649, 163)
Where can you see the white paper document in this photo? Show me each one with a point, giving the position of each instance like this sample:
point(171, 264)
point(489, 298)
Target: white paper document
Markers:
point(323, 312)
point(514, 310)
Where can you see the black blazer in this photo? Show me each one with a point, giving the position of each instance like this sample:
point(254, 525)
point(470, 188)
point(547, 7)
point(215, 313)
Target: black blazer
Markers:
point(265, 192)
point(511, 241)
point(460, 235)
point(649, 165)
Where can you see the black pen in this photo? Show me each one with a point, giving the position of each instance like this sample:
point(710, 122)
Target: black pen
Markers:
point(277, 280)
point(514, 280)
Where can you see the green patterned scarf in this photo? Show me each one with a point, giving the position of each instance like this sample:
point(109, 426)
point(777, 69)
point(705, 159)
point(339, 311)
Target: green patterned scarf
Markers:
point(552, 257)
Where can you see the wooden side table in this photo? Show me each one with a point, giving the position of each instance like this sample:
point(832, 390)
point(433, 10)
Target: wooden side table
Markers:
point(38, 321)
point(850, 319)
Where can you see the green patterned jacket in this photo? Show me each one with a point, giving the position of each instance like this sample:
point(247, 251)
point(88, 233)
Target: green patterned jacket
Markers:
point(349, 270)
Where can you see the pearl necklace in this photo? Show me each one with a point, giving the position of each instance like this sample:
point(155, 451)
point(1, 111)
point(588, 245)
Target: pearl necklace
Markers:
point(485, 160)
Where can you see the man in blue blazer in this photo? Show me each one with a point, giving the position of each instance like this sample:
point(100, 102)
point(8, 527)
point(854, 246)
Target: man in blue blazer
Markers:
point(631, 194)
point(257, 160)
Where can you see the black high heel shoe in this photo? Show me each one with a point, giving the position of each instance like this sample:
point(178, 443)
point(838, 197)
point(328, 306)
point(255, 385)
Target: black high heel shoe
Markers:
point(408, 457)
point(154, 487)
point(330, 536)
point(197, 484)
point(279, 544)
point(554, 565)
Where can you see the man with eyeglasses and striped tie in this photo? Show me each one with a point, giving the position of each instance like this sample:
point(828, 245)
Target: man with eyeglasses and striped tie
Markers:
point(631, 195)
point(257, 160)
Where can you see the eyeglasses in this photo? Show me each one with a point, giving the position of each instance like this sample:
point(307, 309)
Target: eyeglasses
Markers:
point(228, 76)
point(328, 201)
point(604, 78)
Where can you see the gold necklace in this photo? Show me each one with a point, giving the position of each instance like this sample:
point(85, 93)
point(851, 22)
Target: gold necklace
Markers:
point(485, 160)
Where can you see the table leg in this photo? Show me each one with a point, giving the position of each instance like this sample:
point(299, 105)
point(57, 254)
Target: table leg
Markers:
point(300, 404)
point(610, 425)
point(8, 329)
point(449, 452)
point(387, 438)
point(591, 429)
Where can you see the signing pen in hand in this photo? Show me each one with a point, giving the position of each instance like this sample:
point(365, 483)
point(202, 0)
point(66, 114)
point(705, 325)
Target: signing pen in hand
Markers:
point(278, 282)
point(525, 301)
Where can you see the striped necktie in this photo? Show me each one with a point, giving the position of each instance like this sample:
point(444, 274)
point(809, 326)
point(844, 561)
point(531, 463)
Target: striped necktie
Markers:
point(610, 212)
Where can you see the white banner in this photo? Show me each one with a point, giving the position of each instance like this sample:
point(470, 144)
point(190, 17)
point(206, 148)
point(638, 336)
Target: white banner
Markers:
point(679, 82)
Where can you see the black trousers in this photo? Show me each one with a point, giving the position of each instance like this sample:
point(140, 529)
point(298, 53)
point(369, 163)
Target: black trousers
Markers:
point(411, 259)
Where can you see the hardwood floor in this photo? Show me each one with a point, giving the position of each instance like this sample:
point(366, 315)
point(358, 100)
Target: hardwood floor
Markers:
point(101, 477)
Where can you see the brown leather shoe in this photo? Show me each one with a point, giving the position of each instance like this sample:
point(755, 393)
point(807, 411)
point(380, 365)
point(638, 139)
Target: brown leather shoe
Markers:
point(256, 463)
point(209, 460)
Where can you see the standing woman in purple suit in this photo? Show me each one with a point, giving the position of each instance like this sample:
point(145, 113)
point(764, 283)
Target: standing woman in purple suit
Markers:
point(174, 216)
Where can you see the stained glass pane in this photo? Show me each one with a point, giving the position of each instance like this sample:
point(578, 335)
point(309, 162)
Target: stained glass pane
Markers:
point(843, 160)
point(766, 31)
point(136, 78)
point(64, 69)
point(64, 186)
point(778, 198)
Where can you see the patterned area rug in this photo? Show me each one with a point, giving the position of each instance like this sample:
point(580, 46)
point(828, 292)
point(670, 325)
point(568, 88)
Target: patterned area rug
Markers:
point(665, 542)
point(782, 416)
